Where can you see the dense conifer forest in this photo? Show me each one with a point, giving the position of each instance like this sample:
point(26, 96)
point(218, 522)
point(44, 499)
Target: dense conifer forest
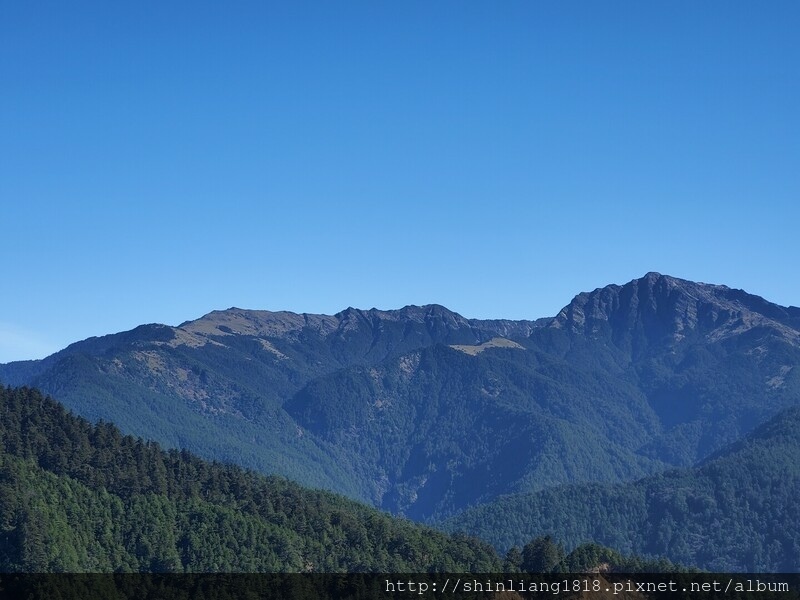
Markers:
point(737, 511)
point(81, 497)
point(77, 497)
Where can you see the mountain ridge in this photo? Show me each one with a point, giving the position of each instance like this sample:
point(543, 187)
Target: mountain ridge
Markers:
point(688, 305)
point(422, 411)
point(573, 316)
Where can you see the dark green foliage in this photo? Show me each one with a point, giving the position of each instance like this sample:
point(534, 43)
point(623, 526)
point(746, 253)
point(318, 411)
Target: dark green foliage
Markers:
point(739, 511)
point(594, 557)
point(544, 555)
point(439, 430)
point(513, 560)
point(82, 497)
point(541, 555)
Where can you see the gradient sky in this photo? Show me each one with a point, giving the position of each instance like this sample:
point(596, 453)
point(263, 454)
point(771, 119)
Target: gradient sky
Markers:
point(159, 160)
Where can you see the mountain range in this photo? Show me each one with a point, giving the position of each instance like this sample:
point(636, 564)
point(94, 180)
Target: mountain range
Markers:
point(427, 414)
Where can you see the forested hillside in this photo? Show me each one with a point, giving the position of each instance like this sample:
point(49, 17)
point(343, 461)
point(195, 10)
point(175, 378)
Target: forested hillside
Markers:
point(81, 497)
point(439, 430)
point(217, 385)
point(739, 511)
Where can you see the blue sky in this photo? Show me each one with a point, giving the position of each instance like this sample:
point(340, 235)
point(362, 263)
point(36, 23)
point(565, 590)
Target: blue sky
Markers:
point(159, 160)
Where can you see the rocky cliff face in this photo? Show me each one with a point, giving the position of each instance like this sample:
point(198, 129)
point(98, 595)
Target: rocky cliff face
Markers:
point(658, 310)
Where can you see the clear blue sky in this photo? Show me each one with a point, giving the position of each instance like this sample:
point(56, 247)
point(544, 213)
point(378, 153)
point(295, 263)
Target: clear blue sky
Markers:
point(159, 160)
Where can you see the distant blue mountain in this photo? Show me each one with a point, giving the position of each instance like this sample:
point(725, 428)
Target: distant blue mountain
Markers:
point(425, 413)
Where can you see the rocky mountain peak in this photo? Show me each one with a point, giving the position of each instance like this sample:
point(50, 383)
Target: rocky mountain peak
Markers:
point(668, 309)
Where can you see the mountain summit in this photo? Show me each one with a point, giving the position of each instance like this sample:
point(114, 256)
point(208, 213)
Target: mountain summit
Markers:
point(422, 411)
point(659, 309)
